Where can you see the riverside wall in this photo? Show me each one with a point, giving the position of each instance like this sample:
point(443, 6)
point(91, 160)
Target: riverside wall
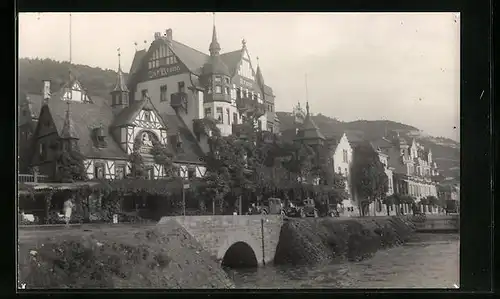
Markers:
point(169, 256)
point(320, 240)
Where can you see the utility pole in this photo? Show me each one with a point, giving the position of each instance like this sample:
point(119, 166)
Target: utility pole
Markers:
point(70, 39)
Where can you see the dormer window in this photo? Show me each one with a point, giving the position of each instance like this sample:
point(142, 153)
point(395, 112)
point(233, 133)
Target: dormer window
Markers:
point(218, 79)
point(147, 115)
point(100, 137)
point(218, 89)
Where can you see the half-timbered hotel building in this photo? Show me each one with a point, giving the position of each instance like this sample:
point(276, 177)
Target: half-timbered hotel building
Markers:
point(173, 95)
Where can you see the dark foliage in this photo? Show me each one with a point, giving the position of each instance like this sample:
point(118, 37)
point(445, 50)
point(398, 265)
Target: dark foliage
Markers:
point(70, 167)
point(445, 152)
point(370, 182)
point(32, 71)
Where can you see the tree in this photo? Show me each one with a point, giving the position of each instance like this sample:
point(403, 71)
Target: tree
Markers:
point(370, 183)
point(136, 161)
point(225, 168)
point(339, 193)
point(389, 201)
point(162, 156)
point(70, 167)
point(136, 166)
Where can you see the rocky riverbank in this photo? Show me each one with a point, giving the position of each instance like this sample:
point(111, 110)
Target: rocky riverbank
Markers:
point(320, 240)
point(153, 257)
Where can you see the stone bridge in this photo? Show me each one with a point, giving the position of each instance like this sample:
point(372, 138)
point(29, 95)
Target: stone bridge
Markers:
point(235, 240)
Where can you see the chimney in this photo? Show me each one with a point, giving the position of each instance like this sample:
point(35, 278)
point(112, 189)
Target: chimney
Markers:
point(46, 90)
point(169, 34)
point(157, 35)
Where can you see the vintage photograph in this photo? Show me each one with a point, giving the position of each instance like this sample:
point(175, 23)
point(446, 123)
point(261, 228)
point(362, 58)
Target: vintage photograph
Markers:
point(238, 150)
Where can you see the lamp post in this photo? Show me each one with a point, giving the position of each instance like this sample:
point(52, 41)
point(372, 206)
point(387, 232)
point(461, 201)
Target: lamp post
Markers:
point(185, 185)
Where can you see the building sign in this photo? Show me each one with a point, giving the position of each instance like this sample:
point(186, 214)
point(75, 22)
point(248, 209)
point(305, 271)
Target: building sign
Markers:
point(246, 83)
point(164, 71)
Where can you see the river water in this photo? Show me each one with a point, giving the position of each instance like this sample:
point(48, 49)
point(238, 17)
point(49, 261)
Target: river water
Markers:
point(426, 261)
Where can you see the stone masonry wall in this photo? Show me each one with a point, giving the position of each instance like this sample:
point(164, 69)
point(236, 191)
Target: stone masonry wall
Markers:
point(217, 233)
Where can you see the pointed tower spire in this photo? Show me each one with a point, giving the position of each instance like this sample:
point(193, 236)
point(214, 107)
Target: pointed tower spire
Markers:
point(214, 45)
point(120, 94)
point(120, 80)
point(68, 130)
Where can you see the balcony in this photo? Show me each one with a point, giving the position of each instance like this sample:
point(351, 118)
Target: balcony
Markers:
point(29, 178)
point(249, 105)
point(178, 100)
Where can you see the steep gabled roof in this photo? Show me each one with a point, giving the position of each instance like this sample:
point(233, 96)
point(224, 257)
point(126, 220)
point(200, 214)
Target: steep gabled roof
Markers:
point(232, 60)
point(85, 117)
point(215, 65)
point(127, 115)
point(258, 76)
point(191, 151)
point(136, 62)
point(381, 143)
point(354, 137)
point(309, 130)
point(192, 58)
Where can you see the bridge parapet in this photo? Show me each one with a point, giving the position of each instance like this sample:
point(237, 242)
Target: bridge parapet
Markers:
point(218, 233)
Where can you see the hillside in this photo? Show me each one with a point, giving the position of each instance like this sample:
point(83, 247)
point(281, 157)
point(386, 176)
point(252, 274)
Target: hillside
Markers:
point(100, 82)
point(32, 72)
point(446, 152)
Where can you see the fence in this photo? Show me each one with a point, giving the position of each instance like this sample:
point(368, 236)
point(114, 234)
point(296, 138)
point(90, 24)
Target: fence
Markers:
point(29, 178)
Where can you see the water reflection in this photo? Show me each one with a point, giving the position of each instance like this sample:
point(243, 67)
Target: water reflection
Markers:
point(427, 261)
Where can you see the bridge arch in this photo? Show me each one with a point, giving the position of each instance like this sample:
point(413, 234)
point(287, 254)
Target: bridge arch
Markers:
point(240, 250)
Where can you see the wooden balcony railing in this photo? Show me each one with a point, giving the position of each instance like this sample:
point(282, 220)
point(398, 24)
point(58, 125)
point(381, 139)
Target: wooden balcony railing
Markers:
point(29, 178)
point(246, 104)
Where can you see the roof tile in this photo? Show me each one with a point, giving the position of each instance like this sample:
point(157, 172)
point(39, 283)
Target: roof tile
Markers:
point(86, 117)
point(191, 151)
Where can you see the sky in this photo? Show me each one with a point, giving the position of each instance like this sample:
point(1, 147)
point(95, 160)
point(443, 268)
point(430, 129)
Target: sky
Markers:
point(403, 67)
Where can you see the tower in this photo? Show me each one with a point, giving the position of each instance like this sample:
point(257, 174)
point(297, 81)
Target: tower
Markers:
point(216, 77)
point(69, 137)
point(120, 94)
point(309, 132)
